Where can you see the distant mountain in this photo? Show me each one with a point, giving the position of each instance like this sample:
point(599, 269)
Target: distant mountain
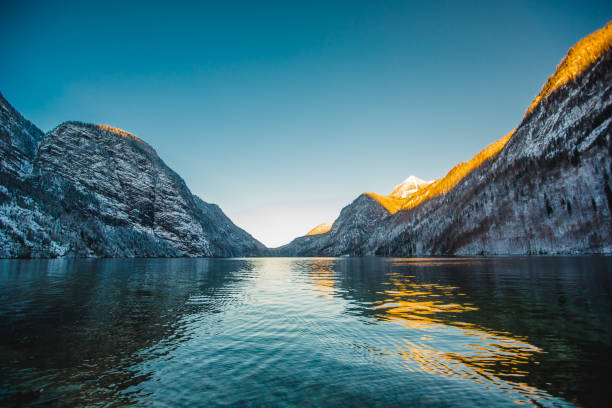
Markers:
point(93, 190)
point(402, 191)
point(543, 188)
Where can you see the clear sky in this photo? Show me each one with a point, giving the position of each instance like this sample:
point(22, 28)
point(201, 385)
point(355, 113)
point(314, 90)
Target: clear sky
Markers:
point(284, 112)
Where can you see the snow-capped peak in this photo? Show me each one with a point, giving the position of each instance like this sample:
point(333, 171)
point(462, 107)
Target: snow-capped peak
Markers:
point(409, 186)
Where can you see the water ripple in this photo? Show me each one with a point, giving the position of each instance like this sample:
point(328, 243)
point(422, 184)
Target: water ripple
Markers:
point(310, 331)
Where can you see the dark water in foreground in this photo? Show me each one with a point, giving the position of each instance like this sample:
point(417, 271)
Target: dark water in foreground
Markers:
point(306, 332)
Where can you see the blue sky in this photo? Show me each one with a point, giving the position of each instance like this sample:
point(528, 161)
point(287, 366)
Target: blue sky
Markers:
point(284, 112)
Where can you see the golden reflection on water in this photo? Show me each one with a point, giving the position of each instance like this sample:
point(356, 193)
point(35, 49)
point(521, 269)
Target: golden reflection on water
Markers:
point(492, 356)
point(448, 344)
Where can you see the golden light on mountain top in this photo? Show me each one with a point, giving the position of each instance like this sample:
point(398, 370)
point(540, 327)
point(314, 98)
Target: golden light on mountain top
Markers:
point(394, 204)
point(321, 228)
point(411, 185)
point(578, 58)
point(119, 132)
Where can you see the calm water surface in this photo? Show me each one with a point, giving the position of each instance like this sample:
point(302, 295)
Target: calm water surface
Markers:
point(306, 332)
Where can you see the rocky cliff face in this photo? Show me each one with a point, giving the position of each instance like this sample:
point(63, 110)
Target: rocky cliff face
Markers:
point(92, 190)
point(19, 141)
point(545, 188)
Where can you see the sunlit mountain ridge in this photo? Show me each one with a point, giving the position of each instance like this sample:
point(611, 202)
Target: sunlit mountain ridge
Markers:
point(542, 188)
point(394, 203)
point(578, 58)
point(120, 132)
point(414, 191)
point(321, 228)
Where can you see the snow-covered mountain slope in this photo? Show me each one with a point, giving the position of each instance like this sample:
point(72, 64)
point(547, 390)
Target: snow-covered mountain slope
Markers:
point(543, 188)
point(95, 190)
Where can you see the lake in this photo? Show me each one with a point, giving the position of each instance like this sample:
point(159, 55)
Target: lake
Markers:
point(331, 332)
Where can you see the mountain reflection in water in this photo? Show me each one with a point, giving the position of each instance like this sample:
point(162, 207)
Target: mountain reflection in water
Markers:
point(306, 331)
